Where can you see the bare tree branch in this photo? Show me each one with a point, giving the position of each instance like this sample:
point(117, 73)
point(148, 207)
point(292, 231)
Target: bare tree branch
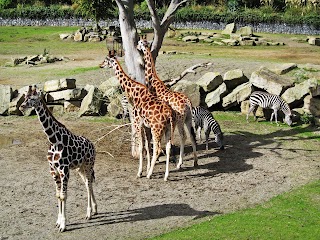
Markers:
point(106, 153)
point(117, 127)
point(173, 7)
point(171, 82)
point(160, 29)
point(120, 5)
point(154, 16)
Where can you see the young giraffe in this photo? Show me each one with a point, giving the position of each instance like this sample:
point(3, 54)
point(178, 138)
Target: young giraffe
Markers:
point(66, 151)
point(179, 102)
point(149, 112)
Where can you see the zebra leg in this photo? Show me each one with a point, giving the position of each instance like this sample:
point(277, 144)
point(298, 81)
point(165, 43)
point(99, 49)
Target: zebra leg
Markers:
point(252, 108)
point(207, 132)
point(199, 133)
point(276, 116)
point(188, 122)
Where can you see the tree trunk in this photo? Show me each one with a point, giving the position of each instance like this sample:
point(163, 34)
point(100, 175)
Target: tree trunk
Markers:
point(133, 58)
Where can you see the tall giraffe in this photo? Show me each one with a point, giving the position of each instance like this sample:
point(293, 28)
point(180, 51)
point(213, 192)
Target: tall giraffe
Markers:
point(67, 151)
point(149, 112)
point(179, 102)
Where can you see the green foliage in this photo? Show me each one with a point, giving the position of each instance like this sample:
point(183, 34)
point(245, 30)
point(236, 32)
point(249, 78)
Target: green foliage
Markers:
point(293, 215)
point(97, 9)
point(5, 3)
point(307, 118)
point(37, 12)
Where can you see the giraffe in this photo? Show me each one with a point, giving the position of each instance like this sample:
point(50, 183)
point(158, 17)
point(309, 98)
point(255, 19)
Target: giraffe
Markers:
point(179, 102)
point(149, 113)
point(67, 151)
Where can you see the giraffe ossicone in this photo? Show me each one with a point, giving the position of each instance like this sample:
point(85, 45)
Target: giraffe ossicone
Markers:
point(67, 151)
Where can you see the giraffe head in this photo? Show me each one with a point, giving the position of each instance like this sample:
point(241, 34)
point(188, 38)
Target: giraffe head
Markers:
point(142, 45)
point(31, 99)
point(109, 61)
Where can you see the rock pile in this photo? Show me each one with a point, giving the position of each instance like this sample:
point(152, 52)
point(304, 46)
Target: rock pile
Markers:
point(91, 34)
point(36, 59)
point(232, 90)
point(228, 92)
point(312, 40)
point(230, 37)
point(60, 95)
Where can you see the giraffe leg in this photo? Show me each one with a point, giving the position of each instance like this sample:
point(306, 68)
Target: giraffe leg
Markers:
point(192, 134)
point(93, 199)
point(86, 172)
point(63, 199)
point(141, 138)
point(155, 155)
point(168, 150)
point(148, 147)
point(57, 181)
point(58, 222)
point(182, 135)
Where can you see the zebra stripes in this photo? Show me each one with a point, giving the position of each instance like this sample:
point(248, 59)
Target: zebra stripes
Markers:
point(269, 101)
point(125, 107)
point(202, 118)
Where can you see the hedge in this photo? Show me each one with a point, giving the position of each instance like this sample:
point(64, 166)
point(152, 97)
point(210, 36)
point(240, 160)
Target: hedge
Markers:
point(190, 14)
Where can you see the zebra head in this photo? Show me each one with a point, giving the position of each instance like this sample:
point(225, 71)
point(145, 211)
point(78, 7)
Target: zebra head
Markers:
point(219, 140)
point(288, 119)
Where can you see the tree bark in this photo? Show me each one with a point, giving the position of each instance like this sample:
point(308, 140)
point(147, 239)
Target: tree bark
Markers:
point(133, 58)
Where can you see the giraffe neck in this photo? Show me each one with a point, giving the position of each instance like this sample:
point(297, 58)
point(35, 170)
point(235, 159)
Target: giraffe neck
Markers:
point(51, 127)
point(152, 79)
point(133, 89)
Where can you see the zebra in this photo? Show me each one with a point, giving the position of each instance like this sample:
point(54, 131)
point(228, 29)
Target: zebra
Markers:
point(202, 118)
point(125, 107)
point(269, 101)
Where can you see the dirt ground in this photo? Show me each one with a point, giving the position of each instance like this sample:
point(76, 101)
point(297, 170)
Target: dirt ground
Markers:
point(247, 172)
point(251, 170)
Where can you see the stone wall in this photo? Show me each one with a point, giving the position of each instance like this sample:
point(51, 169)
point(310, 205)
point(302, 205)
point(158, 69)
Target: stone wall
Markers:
point(258, 27)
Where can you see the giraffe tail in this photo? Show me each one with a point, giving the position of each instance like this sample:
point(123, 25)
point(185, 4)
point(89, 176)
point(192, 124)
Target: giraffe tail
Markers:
point(172, 120)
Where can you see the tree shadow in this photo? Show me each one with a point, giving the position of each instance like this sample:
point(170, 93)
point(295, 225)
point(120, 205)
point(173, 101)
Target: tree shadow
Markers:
point(141, 214)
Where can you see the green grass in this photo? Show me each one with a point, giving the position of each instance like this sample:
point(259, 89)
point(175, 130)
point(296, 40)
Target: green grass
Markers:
point(293, 215)
point(33, 40)
point(75, 71)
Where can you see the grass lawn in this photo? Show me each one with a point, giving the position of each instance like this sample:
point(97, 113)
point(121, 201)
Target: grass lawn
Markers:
point(293, 215)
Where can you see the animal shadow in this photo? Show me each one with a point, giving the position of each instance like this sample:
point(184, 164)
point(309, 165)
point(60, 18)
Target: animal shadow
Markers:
point(141, 214)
